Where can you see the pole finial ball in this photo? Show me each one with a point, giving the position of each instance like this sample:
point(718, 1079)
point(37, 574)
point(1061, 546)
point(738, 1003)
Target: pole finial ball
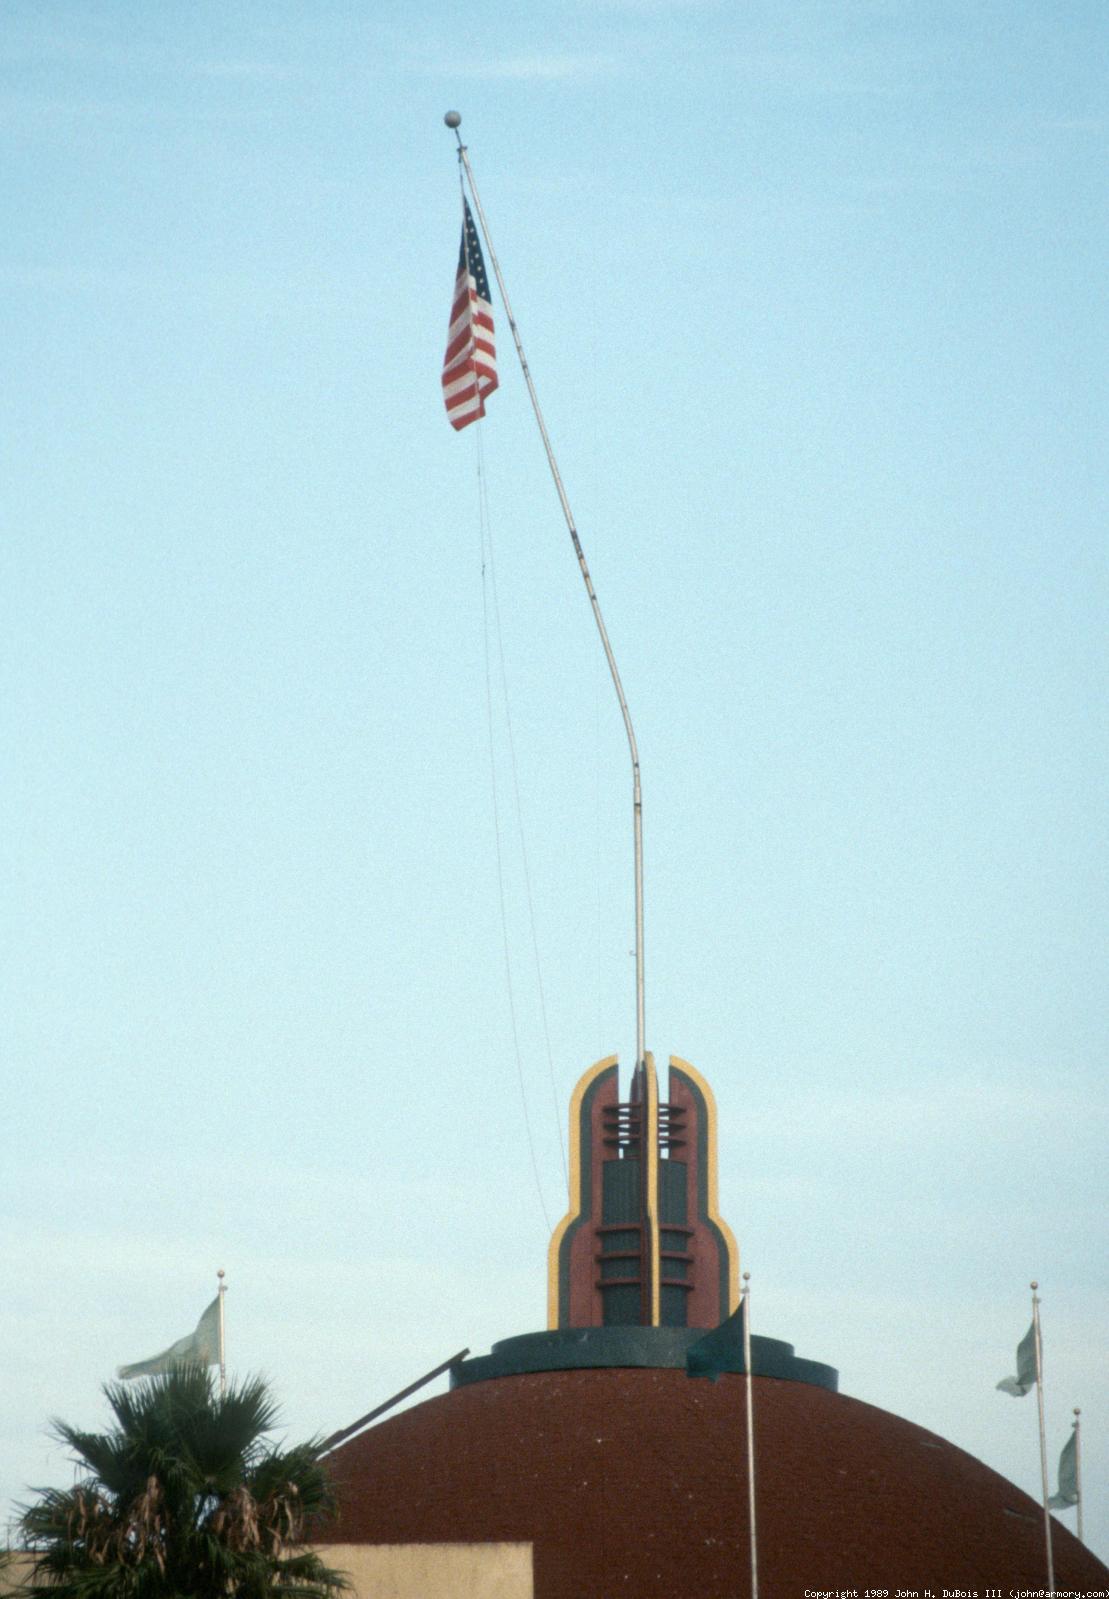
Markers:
point(452, 119)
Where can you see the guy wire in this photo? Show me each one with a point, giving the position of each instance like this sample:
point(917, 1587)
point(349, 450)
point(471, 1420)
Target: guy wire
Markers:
point(487, 522)
point(485, 543)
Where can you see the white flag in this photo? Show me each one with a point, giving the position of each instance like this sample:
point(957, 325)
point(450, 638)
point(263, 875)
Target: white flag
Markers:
point(198, 1348)
point(1068, 1476)
point(1025, 1378)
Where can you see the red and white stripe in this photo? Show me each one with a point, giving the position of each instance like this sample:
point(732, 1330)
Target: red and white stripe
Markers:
point(470, 364)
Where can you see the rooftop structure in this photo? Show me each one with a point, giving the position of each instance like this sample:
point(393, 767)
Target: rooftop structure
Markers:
point(587, 1442)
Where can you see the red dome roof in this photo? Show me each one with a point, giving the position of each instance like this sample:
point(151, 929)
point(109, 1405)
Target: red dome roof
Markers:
point(633, 1482)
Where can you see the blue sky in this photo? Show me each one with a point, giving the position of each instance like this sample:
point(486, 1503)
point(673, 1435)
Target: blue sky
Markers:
point(814, 299)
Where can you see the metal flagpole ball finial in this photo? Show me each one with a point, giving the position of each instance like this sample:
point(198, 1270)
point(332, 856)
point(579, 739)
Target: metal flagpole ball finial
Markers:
point(452, 119)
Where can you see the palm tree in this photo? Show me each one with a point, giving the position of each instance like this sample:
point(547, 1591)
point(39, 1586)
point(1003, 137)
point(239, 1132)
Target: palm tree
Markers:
point(184, 1498)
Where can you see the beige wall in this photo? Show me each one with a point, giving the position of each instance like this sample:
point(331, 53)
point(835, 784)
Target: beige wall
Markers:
point(413, 1570)
point(435, 1570)
point(13, 1571)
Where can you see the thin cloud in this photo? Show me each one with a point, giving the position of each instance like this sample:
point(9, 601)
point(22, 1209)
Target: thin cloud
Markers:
point(531, 68)
point(254, 71)
point(860, 72)
point(33, 113)
point(1074, 124)
point(973, 1108)
point(654, 8)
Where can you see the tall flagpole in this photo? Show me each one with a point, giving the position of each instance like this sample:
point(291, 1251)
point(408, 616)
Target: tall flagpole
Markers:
point(1043, 1438)
point(746, 1299)
point(1077, 1425)
point(452, 120)
point(222, 1338)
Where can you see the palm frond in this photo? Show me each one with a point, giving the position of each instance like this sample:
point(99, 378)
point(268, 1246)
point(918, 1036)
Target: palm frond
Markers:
point(183, 1499)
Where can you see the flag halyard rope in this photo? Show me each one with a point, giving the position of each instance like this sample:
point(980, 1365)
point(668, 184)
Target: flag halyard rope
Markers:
point(501, 896)
point(520, 831)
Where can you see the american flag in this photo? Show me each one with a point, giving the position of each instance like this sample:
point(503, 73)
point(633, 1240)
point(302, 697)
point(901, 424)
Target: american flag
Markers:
point(470, 364)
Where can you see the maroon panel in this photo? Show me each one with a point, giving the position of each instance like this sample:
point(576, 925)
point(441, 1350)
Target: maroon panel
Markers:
point(705, 1308)
point(586, 1308)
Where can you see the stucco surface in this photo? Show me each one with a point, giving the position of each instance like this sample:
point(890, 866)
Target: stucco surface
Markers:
point(407, 1571)
point(435, 1571)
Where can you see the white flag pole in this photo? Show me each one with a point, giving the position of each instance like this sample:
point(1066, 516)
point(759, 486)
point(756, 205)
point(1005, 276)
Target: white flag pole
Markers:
point(1043, 1435)
point(1077, 1425)
point(222, 1339)
point(746, 1298)
point(452, 119)
point(651, 1273)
